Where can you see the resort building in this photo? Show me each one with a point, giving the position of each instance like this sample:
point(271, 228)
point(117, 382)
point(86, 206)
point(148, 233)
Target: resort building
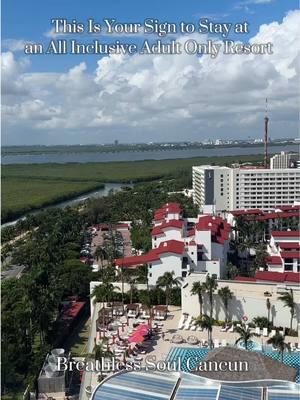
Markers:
point(249, 297)
point(283, 218)
point(245, 187)
point(283, 250)
point(284, 160)
point(183, 245)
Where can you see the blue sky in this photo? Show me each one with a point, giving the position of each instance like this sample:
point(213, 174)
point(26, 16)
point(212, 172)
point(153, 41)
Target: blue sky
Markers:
point(30, 21)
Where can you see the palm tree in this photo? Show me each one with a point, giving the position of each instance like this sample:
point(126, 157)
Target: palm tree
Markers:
point(245, 335)
point(100, 254)
point(260, 256)
point(288, 300)
point(131, 280)
point(278, 342)
point(210, 285)
point(268, 305)
point(167, 281)
point(145, 299)
point(142, 274)
point(226, 294)
point(232, 271)
point(206, 323)
point(104, 292)
point(198, 289)
point(100, 352)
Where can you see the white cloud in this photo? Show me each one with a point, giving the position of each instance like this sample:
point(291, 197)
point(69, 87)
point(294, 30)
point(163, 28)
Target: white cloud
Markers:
point(157, 97)
point(13, 44)
point(52, 34)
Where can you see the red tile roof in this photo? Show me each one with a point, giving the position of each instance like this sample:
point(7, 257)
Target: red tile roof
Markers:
point(271, 277)
point(219, 228)
point(237, 213)
point(73, 310)
point(286, 233)
point(121, 225)
point(292, 277)
point(289, 245)
point(137, 260)
point(275, 215)
point(291, 207)
point(275, 260)
point(173, 223)
point(170, 246)
point(244, 279)
point(260, 215)
point(156, 231)
point(277, 276)
point(172, 208)
point(290, 254)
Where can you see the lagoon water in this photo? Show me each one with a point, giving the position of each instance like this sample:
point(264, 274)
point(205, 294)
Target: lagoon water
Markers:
point(76, 200)
point(83, 157)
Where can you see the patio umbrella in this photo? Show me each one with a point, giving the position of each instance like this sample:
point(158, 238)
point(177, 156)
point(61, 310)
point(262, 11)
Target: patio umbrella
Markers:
point(136, 338)
point(144, 326)
point(143, 330)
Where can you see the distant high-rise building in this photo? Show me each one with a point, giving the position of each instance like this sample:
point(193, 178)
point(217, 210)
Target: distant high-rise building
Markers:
point(245, 187)
point(284, 160)
point(116, 142)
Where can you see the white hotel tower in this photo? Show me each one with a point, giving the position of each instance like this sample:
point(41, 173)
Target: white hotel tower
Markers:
point(245, 187)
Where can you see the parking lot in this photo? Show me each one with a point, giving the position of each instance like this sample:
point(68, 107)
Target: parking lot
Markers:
point(102, 236)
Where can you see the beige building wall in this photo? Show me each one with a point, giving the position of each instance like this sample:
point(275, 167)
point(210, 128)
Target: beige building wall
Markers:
point(248, 299)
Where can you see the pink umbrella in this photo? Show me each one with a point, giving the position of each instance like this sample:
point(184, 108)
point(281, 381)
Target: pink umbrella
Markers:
point(136, 338)
point(143, 332)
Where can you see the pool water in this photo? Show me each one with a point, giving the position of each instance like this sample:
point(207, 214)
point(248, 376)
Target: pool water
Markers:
point(196, 355)
point(254, 346)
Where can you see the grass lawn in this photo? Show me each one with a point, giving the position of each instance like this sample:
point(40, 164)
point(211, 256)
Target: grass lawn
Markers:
point(78, 340)
point(116, 171)
point(20, 195)
point(31, 186)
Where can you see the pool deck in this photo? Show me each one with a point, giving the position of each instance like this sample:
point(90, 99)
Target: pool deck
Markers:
point(170, 328)
point(160, 348)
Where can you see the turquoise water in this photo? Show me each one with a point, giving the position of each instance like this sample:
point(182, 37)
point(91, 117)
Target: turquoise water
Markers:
point(196, 355)
point(251, 346)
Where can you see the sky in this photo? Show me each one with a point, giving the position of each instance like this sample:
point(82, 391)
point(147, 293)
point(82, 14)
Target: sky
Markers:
point(81, 99)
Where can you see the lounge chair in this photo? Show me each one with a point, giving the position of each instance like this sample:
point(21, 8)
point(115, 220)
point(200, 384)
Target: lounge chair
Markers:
point(216, 343)
point(224, 343)
point(292, 346)
point(199, 329)
point(193, 326)
point(281, 332)
point(181, 322)
point(231, 329)
point(265, 332)
point(257, 331)
point(273, 332)
point(188, 323)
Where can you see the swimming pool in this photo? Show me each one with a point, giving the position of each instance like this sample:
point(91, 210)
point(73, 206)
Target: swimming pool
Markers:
point(252, 345)
point(196, 355)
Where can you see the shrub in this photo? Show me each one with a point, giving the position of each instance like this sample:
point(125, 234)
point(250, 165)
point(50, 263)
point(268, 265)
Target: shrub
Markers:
point(262, 322)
